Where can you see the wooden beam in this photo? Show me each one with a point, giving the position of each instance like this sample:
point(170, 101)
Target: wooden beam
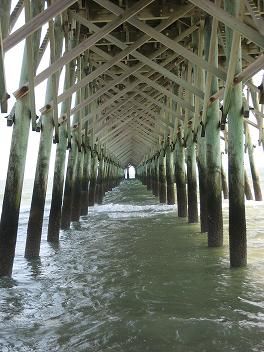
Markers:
point(209, 76)
point(89, 42)
point(243, 76)
point(31, 67)
point(256, 16)
point(54, 79)
point(3, 93)
point(115, 60)
point(235, 50)
point(195, 59)
point(232, 22)
point(15, 13)
point(35, 23)
point(145, 60)
point(4, 29)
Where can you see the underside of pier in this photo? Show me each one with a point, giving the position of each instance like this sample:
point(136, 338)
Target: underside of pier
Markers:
point(165, 86)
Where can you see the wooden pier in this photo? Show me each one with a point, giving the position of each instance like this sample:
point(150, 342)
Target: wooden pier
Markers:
point(160, 85)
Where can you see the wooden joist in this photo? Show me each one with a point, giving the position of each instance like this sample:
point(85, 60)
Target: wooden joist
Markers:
point(3, 93)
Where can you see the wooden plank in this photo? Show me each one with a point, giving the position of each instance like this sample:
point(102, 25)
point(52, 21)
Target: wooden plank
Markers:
point(31, 68)
point(54, 79)
point(143, 58)
point(211, 59)
point(16, 13)
point(256, 16)
point(89, 42)
point(36, 22)
point(243, 76)
point(235, 49)
point(237, 217)
point(232, 22)
point(164, 40)
point(124, 118)
point(3, 93)
point(4, 29)
point(114, 60)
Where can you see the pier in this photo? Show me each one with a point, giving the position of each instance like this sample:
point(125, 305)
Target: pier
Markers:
point(160, 85)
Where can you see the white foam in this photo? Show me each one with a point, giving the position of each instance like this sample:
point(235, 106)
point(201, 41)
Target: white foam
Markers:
point(132, 211)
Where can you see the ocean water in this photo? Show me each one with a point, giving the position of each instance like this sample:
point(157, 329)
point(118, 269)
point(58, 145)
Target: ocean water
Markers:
point(131, 276)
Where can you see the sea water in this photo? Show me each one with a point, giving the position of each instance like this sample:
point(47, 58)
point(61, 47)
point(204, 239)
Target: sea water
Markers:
point(131, 276)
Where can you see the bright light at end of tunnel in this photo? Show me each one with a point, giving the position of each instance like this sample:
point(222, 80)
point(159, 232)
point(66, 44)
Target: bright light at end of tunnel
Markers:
point(132, 172)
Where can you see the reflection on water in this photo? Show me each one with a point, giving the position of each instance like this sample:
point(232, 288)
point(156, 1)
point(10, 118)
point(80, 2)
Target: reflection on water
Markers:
point(131, 276)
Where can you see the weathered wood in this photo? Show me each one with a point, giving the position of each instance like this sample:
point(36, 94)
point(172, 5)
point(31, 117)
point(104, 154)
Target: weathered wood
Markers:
point(31, 69)
point(34, 229)
point(16, 13)
point(89, 42)
point(92, 187)
point(100, 178)
point(162, 177)
point(254, 172)
point(68, 188)
point(54, 78)
point(237, 219)
point(86, 180)
point(59, 167)
point(5, 7)
point(57, 187)
point(35, 23)
point(4, 28)
point(148, 175)
point(213, 158)
point(229, 20)
point(16, 167)
point(180, 176)
point(199, 77)
point(77, 186)
point(163, 39)
point(192, 184)
point(107, 175)
point(248, 193)
point(190, 160)
point(156, 189)
point(170, 177)
point(202, 176)
point(224, 183)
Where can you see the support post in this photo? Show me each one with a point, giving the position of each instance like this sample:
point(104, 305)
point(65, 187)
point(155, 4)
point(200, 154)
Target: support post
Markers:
point(156, 173)
point(148, 168)
point(192, 183)
point(68, 188)
point(57, 187)
point(237, 217)
point(248, 193)
point(77, 185)
point(180, 176)
point(34, 229)
point(162, 177)
point(73, 162)
point(100, 179)
point(170, 177)
point(254, 172)
point(213, 154)
point(190, 159)
point(198, 44)
point(86, 180)
point(55, 214)
point(92, 188)
point(224, 182)
point(16, 167)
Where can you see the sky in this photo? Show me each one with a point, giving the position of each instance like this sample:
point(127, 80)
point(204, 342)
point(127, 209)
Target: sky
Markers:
point(13, 61)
